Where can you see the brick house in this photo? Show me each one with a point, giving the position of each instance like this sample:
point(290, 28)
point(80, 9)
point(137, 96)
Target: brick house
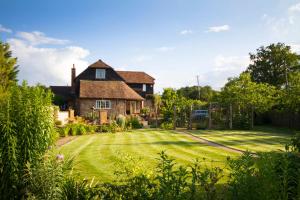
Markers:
point(100, 87)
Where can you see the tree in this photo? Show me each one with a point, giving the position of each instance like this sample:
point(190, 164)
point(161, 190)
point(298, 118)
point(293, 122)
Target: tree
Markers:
point(169, 99)
point(248, 96)
point(157, 104)
point(8, 68)
point(206, 93)
point(272, 64)
point(291, 96)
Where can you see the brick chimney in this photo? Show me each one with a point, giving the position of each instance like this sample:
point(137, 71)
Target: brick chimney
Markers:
point(73, 75)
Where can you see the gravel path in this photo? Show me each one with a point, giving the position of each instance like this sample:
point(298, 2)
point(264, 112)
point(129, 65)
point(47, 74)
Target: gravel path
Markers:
point(65, 140)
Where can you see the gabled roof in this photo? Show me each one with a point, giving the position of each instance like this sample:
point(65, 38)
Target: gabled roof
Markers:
point(107, 90)
point(100, 65)
point(136, 77)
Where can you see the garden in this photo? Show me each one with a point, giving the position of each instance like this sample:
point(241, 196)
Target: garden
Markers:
point(122, 161)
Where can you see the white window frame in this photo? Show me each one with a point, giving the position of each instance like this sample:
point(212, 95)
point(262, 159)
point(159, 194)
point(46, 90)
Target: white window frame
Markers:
point(103, 104)
point(100, 73)
point(144, 88)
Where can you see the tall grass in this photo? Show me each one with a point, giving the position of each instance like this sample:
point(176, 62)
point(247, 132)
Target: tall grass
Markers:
point(27, 130)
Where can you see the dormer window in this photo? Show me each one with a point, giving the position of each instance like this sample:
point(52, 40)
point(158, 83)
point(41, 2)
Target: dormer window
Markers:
point(100, 73)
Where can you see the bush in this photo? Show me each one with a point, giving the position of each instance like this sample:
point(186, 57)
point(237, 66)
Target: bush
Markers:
point(45, 179)
point(27, 130)
point(121, 121)
point(58, 123)
point(241, 121)
point(265, 176)
point(167, 125)
point(133, 122)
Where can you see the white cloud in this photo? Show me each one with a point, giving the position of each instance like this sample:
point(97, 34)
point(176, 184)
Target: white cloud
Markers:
point(295, 8)
point(48, 66)
point(186, 32)
point(165, 49)
point(295, 48)
point(286, 23)
point(217, 29)
point(225, 67)
point(231, 63)
point(37, 38)
point(4, 29)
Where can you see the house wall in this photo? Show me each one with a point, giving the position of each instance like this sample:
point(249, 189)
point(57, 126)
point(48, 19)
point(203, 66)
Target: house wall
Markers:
point(117, 107)
point(138, 87)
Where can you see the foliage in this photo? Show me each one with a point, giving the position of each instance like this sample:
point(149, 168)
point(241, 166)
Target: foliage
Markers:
point(172, 103)
point(290, 97)
point(157, 106)
point(206, 93)
point(121, 121)
point(169, 101)
point(246, 95)
point(272, 63)
point(145, 111)
point(27, 130)
point(167, 125)
point(46, 179)
point(79, 128)
point(265, 176)
point(294, 144)
point(8, 68)
point(134, 123)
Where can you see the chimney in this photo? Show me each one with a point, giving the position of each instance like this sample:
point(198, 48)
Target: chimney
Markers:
point(73, 75)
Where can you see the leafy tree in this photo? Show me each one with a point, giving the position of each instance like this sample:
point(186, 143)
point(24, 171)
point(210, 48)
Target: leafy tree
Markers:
point(272, 64)
point(291, 96)
point(157, 105)
point(8, 68)
point(247, 95)
point(206, 93)
point(169, 99)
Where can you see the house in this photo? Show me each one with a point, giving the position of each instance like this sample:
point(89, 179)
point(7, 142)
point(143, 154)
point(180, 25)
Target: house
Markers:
point(100, 87)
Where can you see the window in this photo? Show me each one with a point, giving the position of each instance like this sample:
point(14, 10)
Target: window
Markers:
point(144, 87)
point(100, 73)
point(103, 104)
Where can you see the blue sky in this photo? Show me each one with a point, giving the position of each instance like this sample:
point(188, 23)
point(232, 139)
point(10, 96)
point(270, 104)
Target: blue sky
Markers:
point(171, 40)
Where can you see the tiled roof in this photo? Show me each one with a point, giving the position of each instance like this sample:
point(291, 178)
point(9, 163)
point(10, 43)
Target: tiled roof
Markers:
point(107, 90)
point(100, 64)
point(136, 77)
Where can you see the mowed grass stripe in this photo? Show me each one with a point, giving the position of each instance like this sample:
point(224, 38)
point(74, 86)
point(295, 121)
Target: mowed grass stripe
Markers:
point(246, 140)
point(188, 153)
point(99, 154)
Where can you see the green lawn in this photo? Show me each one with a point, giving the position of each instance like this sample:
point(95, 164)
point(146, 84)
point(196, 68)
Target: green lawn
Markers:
point(99, 155)
point(259, 139)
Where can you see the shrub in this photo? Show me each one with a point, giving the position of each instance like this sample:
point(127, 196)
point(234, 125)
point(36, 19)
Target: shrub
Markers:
point(27, 130)
point(91, 128)
point(167, 125)
point(121, 121)
point(134, 123)
point(45, 179)
point(58, 123)
point(145, 111)
point(113, 126)
point(265, 176)
point(241, 121)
